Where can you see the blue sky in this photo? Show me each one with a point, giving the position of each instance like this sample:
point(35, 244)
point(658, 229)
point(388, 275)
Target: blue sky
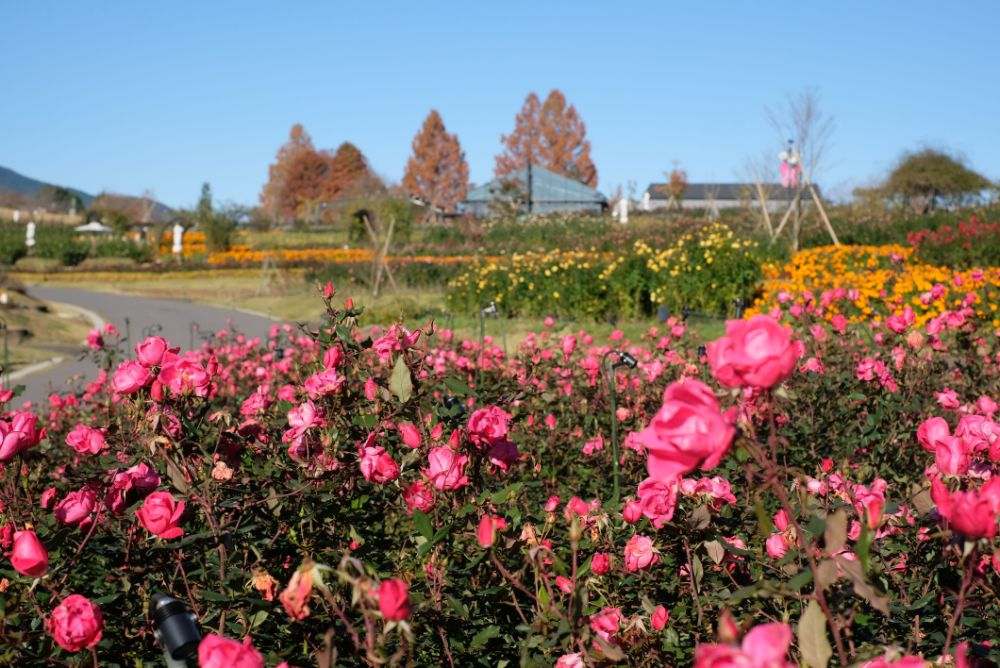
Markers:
point(130, 96)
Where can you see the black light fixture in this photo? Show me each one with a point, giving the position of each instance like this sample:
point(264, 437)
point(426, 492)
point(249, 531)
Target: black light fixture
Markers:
point(176, 629)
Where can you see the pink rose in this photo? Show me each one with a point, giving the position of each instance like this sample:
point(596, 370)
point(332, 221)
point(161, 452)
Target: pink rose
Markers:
point(486, 533)
point(574, 660)
point(28, 556)
point(295, 597)
point(150, 352)
point(488, 425)
point(130, 377)
point(932, 431)
point(86, 439)
point(377, 465)
point(952, 456)
point(94, 339)
point(600, 564)
point(776, 546)
point(658, 500)
point(764, 646)
point(418, 497)
point(394, 600)
point(606, 622)
point(688, 431)
point(758, 352)
point(76, 506)
point(185, 377)
point(18, 435)
point(129, 486)
point(659, 618)
point(301, 419)
point(322, 383)
point(971, 513)
point(410, 435)
point(632, 512)
point(76, 623)
point(447, 468)
point(218, 652)
point(160, 514)
point(333, 357)
point(639, 553)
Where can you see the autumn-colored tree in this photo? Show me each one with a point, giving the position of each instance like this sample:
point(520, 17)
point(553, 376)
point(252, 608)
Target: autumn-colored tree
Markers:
point(278, 195)
point(551, 135)
point(677, 184)
point(349, 175)
point(437, 171)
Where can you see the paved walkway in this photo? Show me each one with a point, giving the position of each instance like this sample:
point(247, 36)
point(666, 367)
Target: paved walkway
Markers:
point(177, 321)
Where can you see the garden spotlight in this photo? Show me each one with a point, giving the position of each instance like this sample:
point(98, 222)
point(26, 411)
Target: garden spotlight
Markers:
point(627, 360)
point(176, 630)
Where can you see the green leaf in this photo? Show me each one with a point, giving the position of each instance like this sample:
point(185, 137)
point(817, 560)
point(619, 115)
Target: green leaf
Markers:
point(484, 636)
point(422, 524)
point(862, 587)
point(400, 383)
point(813, 643)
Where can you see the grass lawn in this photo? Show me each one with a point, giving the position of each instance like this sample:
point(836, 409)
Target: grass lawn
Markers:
point(34, 335)
point(287, 296)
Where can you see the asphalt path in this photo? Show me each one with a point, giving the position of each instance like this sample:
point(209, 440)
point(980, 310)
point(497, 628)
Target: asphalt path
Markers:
point(177, 321)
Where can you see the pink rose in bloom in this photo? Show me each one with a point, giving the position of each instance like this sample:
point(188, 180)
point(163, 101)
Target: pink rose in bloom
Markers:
point(418, 497)
point(488, 425)
point(565, 584)
point(218, 652)
point(948, 399)
point(371, 389)
point(632, 512)
point(150, 352)
point(377, 466)
point(552, 504)
point(605, 623)
point(764, 646)
point(595, 444)
point(410, 435)
point(971, 513)
point(688, 431)
point(183, 376)
point(639, 553)
point(758, 352)
point(931, 432)
point(86, 439)
point(130, 377)
point(333, 357)
point(984, 404)
point(28, 555)
point(600, 564)
point(978, 432)
point(658, 500)
point(76, 623)
point(659, 618)
point(574, 660)
point(776, 546)
point(76, 506)
point(869, 501)
point(394, 600)
point(129, 486)
point(447, 469)
point(18, 435)
point(576, 506)
point(6, 536)
point(322, 383)
point(301, 419)
point(781, 522)
point(952, 456)
point(94, 339)
point(258, 402)
point(899, 323)
point(160, 514)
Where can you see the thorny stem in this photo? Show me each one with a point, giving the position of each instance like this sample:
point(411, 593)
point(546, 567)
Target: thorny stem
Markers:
point(970, 568)
point(776, 483)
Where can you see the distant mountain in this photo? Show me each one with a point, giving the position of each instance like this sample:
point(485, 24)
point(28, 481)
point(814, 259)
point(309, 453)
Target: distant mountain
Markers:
point(11, 181)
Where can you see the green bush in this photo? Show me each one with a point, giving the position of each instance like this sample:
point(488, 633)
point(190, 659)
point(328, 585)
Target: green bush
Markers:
point(38, 265)
point(123, 248)
point(57, 242)
point(12, 246)
point(108, 264)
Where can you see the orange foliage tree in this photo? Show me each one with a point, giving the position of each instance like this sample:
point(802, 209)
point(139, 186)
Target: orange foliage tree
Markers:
point(301, 176)
point(551, 135)
point(437, 171)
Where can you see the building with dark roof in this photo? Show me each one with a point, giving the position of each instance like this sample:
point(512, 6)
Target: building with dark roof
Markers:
point(533, 190)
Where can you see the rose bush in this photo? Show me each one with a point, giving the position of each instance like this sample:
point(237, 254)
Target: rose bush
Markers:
point(826, 498)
